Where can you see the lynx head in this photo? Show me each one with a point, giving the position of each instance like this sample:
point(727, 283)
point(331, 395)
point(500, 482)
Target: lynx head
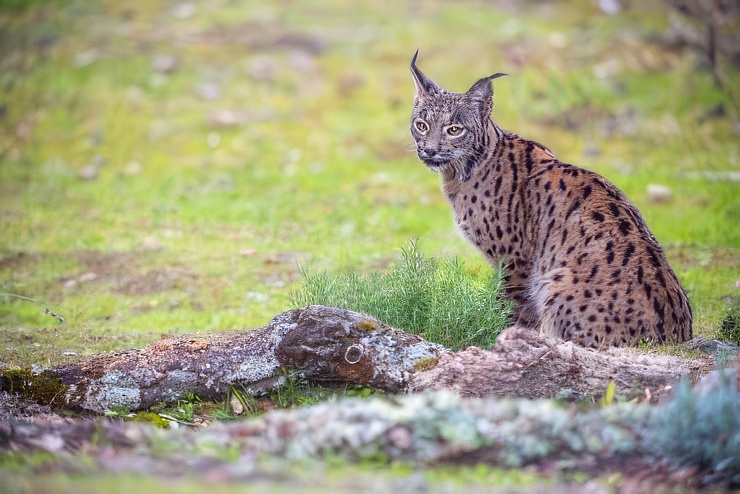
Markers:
point(451, 129)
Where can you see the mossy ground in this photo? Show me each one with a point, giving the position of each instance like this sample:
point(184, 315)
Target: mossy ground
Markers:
point(313, 478)
point(171, 167)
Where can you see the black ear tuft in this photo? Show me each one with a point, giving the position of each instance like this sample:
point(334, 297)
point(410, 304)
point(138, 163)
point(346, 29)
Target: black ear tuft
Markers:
point(482, 89)
point(424, 85)
point(413, 60)
point(482, 92)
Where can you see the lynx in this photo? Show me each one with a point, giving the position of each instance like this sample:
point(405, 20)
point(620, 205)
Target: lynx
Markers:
point(581, 263)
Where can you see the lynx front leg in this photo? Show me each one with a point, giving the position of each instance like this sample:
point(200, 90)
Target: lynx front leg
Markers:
point(525, 314)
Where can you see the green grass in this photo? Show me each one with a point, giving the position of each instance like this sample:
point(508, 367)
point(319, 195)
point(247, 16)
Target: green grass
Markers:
point(194, 226)
point(442, 300)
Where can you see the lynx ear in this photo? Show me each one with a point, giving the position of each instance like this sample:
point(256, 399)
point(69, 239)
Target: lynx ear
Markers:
point(424, 85)
point(482, 92)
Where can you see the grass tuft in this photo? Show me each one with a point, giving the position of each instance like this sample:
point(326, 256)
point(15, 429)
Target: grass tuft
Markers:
point(729, 330)
point(441, 300)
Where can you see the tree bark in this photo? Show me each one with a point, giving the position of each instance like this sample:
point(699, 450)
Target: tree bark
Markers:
point(329, 345)
point(322, 343)
point(524, 364)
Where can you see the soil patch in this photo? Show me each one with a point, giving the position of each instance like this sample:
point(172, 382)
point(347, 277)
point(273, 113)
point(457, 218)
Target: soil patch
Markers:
point(157, 280)
point(19, 260)
point(123, 272)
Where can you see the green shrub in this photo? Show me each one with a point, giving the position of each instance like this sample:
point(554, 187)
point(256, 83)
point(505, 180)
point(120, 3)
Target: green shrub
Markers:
point(442, 300)
point(730, 328)
point(702, 431)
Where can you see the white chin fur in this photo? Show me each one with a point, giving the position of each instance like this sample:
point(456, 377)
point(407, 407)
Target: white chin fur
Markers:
point(435, 167)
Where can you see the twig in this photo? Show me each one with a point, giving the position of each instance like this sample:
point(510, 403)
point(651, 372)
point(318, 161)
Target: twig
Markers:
point(46, 311)
point(23, 297)
point(173, 419)
point(538, 360)
point(54, 314)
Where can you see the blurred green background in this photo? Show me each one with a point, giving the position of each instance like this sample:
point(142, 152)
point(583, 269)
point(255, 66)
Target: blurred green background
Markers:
point(169, 167)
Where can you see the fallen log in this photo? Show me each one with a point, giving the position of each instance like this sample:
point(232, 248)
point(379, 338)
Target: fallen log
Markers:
point(524, 364)
point(323, 343)
point(330, 345)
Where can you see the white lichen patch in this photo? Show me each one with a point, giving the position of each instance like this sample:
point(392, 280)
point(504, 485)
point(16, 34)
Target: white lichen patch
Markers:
point(395, 362)
point(256, 368)
point(114, 389)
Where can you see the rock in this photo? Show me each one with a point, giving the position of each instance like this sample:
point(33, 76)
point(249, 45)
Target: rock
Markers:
point(88, 172)
point(262, 69)
point(208, 91)
point(658, 194)
point(165, 64)
point(133, 167)
point(184, 10)
point(226, 118)
point(151, 244)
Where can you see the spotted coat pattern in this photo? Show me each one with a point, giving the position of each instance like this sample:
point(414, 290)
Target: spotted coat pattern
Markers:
point(582, 264)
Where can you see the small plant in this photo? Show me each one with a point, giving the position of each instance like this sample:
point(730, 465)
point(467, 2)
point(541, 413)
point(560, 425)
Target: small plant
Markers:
point(359, 391)
point(444, 301)
point(729, 330)
point(155, 419)
point(702, 431)
point(118, 412)
point(297, 392)
point(222, 413)
point(184, 411)
point(608, 397)
point(240, 402)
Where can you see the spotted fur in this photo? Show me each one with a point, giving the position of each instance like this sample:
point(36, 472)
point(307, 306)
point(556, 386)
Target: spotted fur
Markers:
point(582, 264)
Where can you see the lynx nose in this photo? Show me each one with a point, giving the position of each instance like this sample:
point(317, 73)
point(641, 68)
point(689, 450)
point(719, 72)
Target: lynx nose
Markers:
point(428, 155)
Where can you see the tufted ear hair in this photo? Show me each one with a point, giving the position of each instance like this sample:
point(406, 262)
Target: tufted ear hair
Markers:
point(424, 85)
point(482, 92)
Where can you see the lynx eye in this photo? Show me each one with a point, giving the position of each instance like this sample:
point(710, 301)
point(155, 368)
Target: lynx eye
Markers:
point(421, 126)
point(455, 130)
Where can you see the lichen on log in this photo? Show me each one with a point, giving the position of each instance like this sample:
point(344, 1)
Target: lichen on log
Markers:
point(348, 350)
point(525, 364)
point(321, 343)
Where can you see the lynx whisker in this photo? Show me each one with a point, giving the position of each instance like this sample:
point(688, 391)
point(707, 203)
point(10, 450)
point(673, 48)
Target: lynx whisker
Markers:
point(410, 148)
